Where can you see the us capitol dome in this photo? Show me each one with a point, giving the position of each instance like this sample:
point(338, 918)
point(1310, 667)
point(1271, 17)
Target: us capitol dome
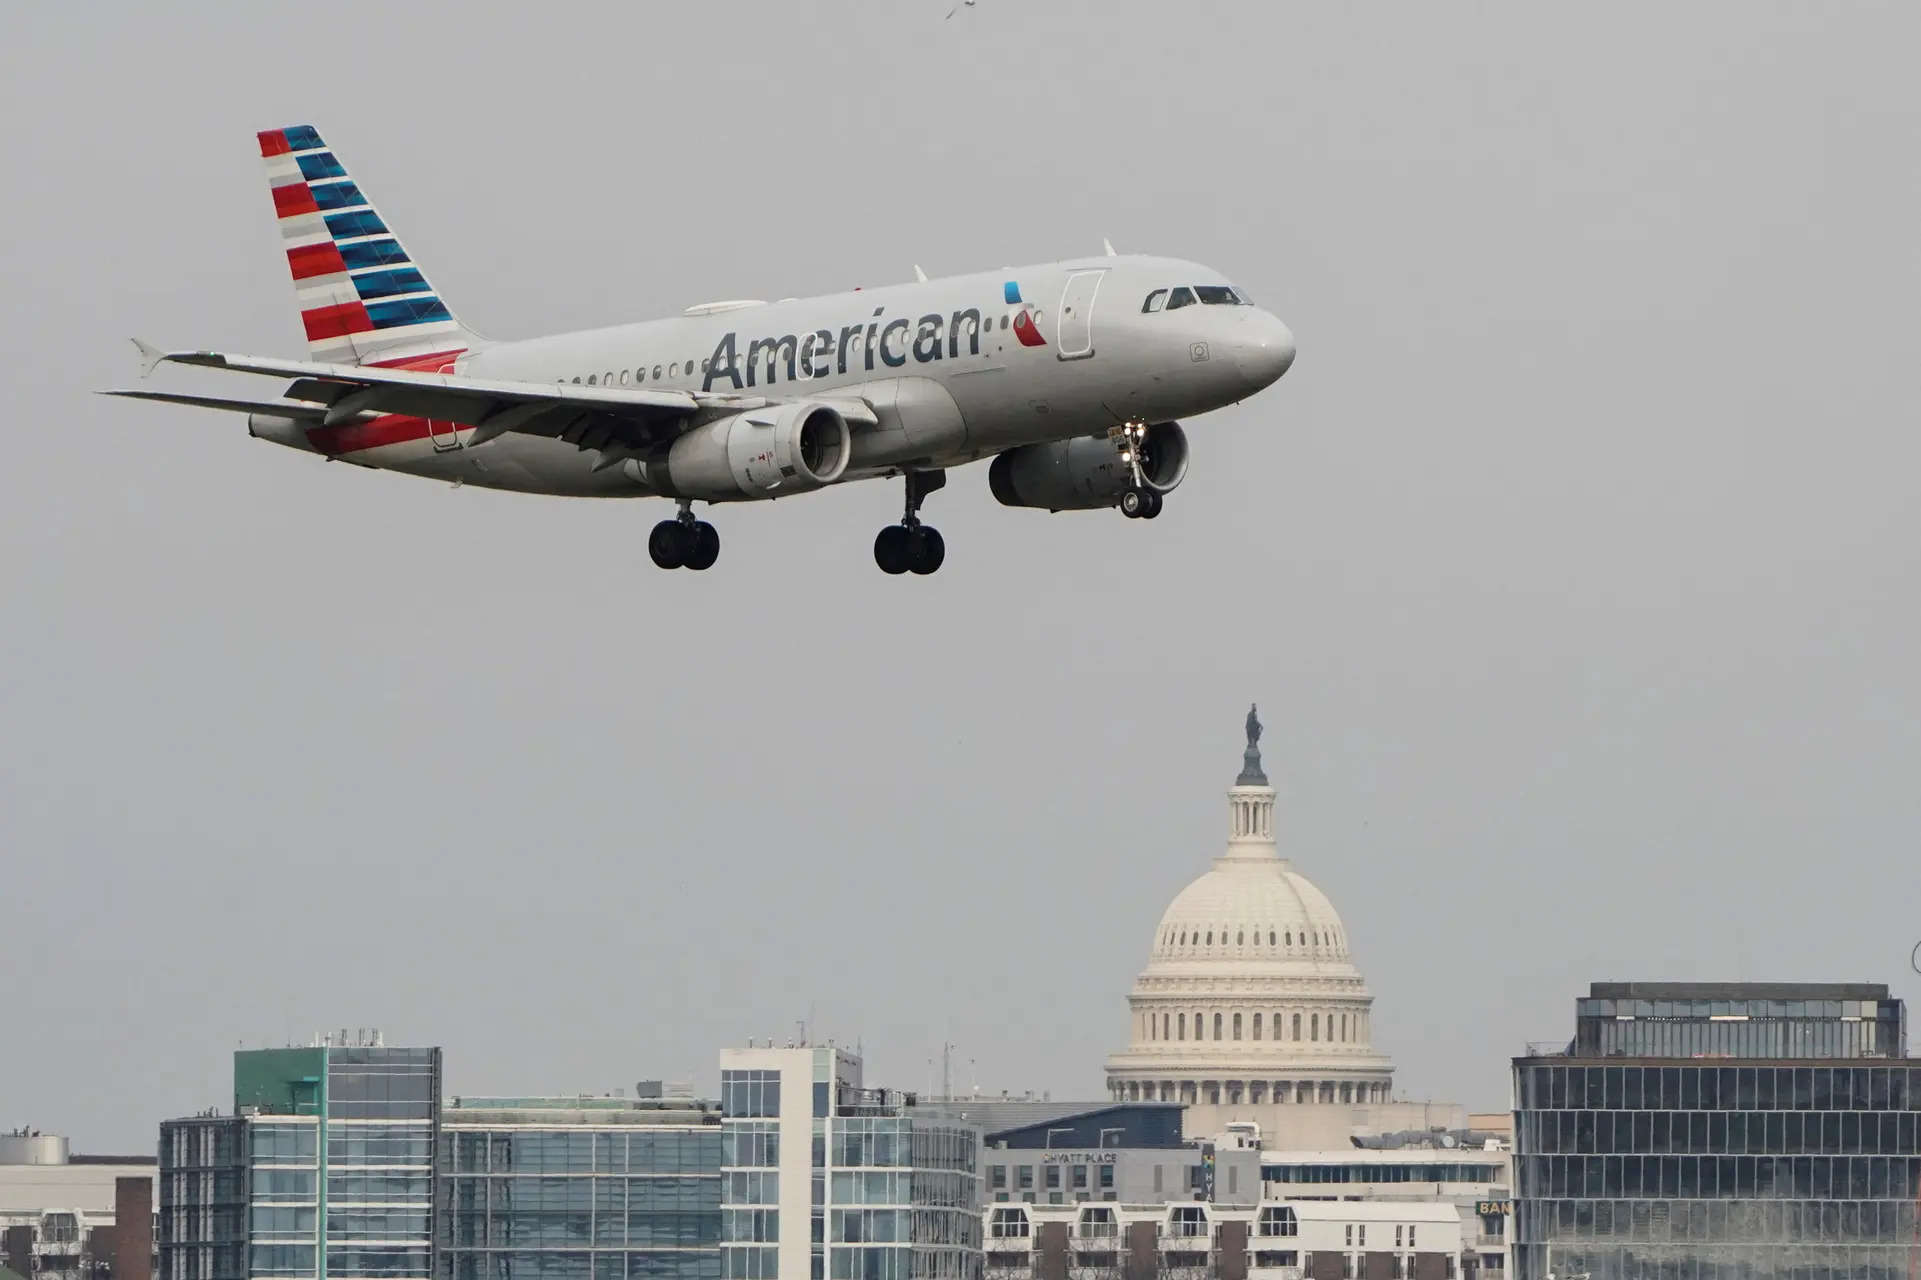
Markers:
point(1250, 1004)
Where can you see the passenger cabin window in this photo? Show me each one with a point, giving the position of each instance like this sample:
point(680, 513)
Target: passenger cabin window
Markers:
point(1155, 300)
point(590, 380)
point(1181, 297)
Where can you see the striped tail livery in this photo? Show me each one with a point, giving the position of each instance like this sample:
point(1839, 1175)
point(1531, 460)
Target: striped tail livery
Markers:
point(362, 299)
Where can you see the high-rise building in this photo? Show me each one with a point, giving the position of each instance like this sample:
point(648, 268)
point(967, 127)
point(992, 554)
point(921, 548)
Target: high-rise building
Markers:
point(323, 1172)
point(1719, 1130)
point(579, 1189)
point(825, 1179)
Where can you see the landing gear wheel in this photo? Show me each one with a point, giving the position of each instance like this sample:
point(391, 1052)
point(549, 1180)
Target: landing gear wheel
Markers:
point(704, 546)
point(894, 549)
point(1153, 507)
point(929, 550)
point(670, 544)
point(1134, 502)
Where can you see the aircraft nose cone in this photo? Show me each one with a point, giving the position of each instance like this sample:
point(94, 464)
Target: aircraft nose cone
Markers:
point(1267, 352)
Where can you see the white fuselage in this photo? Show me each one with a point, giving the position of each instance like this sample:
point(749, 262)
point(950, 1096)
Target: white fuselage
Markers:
point(954, 369)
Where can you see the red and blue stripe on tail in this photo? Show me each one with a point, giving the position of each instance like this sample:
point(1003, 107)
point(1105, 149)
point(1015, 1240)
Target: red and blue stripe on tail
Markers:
point(362, 299)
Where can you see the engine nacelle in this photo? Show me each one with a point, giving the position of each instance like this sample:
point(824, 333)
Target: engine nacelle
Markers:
point(762, 453)
point(1088, 472)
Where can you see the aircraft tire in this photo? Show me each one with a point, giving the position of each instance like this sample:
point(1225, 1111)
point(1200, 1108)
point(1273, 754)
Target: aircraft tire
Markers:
point(929, 550)
point(894, 549)
point(705, 547)
point(1153, 507)
point(668, 544)
point(1134, 503)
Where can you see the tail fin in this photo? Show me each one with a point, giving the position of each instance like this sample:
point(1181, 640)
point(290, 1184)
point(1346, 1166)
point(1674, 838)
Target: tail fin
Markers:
point(362, 299)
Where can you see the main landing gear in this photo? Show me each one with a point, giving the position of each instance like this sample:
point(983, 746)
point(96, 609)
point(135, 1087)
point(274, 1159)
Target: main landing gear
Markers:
point(1138, 502)
point(684, 542)
point(911, 546)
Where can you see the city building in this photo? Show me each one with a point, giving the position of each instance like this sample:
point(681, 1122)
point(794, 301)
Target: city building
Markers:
point(73, 1217)
point(824, 1178)
point(1251, 1008)
point(1702, 1130)
point(324, 1169)
point(1273, 1240)
point(579, 1189)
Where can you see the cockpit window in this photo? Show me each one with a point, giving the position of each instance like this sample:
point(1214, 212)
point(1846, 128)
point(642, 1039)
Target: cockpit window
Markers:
point(1181, 297)
point(1154, 300)
point(1219, 295)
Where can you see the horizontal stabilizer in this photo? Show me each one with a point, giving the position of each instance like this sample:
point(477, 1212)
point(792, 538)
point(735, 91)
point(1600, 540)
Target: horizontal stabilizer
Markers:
point(279, 408)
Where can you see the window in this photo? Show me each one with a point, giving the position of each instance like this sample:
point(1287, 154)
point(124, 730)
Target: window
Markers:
point(1270, 937)
point(1397, 1237)
point(1024, 1177)
point(1237, 1026)
point(1278, 1220)
point(673, 370)
point(623, 377)
point(1217, 1026)
point(1164, 1034)
point(1155, 300)
point(590, 379)
point(1003, 322)
point(1181, 297)
point(1183, 1026)
point(640, 375)
point(608, 377)
point(1053, 1177)
point(1106, 1179)
point(1240, 939)
point(1314, 1026)
point(1078, 1177)
point(1350, 1235)
point(1219, 295)
point(1257, 1026)
point(1210, 937)
point(704, 364)
point(1297, 1026)
point(657, 372)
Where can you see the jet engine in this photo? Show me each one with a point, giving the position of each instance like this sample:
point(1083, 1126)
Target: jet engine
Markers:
point(1088, 472)
point(762, 453)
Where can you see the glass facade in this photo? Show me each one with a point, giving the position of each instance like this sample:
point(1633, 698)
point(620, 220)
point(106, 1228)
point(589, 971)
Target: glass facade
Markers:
point(1836, 1022)
point(614, 1196)
point(326, 1173)
point(201, 1227)
point(1710, 1169)
point(891, 1194)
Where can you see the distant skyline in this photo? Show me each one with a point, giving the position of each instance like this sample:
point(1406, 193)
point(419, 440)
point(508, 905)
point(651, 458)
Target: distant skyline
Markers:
point(1572, 564)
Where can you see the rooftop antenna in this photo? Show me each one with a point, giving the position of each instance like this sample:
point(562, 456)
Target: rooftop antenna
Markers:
point(919, 274)
point(1109, 246)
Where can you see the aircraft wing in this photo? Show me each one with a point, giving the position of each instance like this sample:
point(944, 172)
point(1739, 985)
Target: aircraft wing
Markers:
point(617, 421)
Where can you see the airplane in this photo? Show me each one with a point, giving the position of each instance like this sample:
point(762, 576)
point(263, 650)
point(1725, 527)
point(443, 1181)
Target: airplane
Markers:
point(1071, 376)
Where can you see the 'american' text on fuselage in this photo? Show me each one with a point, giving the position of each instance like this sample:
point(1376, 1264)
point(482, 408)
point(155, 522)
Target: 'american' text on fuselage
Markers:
point(813, 355)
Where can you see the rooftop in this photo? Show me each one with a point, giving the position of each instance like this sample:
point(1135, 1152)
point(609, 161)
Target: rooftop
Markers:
point(1738, 990)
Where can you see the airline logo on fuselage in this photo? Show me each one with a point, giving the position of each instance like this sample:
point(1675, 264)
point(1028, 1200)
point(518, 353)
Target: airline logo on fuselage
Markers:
point(822, 354)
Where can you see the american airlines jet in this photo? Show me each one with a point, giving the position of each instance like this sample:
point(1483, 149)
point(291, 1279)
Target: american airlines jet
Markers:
point(1072, 376)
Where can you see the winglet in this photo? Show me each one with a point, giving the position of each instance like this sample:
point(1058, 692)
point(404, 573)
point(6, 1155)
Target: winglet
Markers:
point(1109, 246)
point(919, 274)
point(150, 356)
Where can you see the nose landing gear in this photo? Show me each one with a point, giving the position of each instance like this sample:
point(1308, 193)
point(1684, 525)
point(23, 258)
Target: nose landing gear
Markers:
point(911, 546)
point(1138, 501)
point(684, 542)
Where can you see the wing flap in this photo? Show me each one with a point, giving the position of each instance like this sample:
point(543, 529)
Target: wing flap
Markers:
point(605, 399)
point(279, 408)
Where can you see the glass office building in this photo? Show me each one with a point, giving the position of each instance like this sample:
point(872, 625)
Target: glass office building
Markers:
point(825, 1179)
point(325, 1169)
point(1720, 1157)
point(579, 1189)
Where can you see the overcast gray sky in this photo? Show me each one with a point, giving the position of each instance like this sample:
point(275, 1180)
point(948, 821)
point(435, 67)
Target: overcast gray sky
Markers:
point(1573, 565)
